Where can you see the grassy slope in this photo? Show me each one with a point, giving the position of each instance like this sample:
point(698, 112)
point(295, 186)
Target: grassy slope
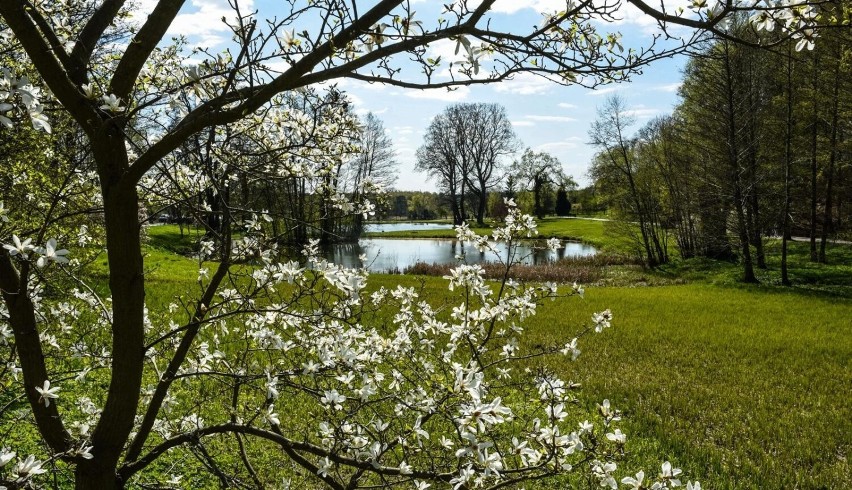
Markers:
point(742, 386)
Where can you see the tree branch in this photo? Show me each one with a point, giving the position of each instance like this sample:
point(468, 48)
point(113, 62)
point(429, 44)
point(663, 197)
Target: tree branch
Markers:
point(88, 38)
point(142, 45)
point(22, 319)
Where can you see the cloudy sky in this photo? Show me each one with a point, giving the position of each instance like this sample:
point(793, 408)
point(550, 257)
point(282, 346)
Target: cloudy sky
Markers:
point(546, 116)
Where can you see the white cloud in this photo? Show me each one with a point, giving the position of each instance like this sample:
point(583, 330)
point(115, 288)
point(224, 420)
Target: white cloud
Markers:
point(606, 90)
point(565, 105)
point(402, 130)
point(456, 95)
point(556, 146)
point(200, 21)
point(672, 87)
point(641, 112)
point(512, 6)
point(523, 123)
point(550, 118)
point(525, 83)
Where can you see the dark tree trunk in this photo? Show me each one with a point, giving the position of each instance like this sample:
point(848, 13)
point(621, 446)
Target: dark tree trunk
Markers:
point(832, 157)
point(788, 157)
point(126, 283)
point(734, 162)
point(814, 121)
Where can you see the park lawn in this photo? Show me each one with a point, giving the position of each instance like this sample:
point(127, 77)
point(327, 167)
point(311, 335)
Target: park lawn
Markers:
point(593, 232)
point(741, 386)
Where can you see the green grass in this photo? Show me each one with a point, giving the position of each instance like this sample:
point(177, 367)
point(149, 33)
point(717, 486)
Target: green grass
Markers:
point(173, 238)
point(590, 231)
point(743, 386)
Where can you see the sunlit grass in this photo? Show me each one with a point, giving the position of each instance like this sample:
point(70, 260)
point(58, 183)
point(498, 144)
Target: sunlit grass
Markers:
point(593, 232)
point(742, 386)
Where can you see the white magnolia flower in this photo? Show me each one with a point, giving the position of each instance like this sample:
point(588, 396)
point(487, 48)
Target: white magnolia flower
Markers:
point(50, 253)
point(635, 483)
point(693, 486)
point(111, 103)
point(553, 244)
point(271, 416)
point(323, 467)
point(571, 348)
point(603, 471)
point(332, 397)
point(89, 90)
point(85, 452)
point(18, 247)
point(668, 473)
point(271, 386)
point(617, 437)
point(4, 213)
point(6, 456)
point(602, 320)
point(28, 467)
point(806, 39)
point(46, 393)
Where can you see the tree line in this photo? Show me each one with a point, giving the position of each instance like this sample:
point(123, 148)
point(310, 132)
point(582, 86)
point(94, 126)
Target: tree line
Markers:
point(759, 146)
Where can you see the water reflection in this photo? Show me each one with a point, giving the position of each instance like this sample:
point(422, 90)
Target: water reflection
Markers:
point(389, 254)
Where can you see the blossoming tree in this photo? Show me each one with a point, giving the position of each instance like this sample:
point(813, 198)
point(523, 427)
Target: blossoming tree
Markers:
point(268, 360)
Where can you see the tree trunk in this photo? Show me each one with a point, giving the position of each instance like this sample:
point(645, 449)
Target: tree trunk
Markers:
point(89, 475)
point(126, 283)
point(480, 210)
point(788, 156)
point(814, 120)
point(832, 157)
point(734, 162)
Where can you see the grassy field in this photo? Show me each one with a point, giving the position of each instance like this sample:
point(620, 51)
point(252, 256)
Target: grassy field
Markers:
point(586, 230)
point(741, 386)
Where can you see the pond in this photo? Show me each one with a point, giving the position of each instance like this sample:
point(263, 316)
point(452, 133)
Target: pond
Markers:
point(405, 226)
point(389, 254)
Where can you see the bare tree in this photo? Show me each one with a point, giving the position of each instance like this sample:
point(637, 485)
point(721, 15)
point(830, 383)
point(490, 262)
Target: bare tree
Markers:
point(463, 149)
point(374, 168)
point(617, 156)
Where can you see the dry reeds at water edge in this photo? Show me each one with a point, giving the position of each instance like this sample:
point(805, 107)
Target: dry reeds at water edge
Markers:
point(582, 270)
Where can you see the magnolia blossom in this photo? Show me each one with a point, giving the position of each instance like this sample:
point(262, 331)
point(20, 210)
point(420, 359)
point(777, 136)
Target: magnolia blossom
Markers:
point(46, 393)
point(5, 456)
point(669, 474)
point(85, 452)
point(634, 483)
point(602, 320)
point(617, 437)
point(111, 103)
point(18, 247)
point(28, 467)
point(50, 254)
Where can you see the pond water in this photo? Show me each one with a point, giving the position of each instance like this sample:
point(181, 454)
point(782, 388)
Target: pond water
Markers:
point(389, 254)
point(406, 226)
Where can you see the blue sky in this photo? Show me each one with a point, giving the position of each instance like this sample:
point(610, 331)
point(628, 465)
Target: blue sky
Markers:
point(546, 116)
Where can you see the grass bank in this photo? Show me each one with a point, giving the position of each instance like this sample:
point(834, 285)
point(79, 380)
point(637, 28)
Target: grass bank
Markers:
point(577, 229)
